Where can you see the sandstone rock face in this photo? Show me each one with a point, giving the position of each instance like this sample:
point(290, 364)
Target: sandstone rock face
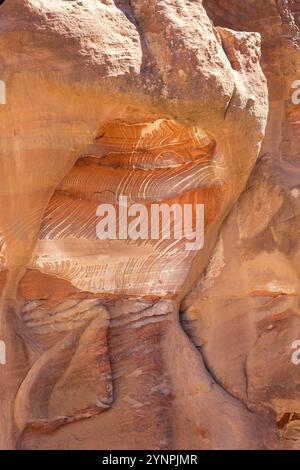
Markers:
point(255, 266)
point(147, 341)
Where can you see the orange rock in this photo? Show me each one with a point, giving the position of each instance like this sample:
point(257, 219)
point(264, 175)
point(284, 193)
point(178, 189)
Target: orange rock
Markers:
point(153, 101)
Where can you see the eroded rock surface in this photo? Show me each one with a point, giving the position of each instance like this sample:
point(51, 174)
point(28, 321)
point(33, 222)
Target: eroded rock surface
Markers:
point(142, 343)
point(250, 290)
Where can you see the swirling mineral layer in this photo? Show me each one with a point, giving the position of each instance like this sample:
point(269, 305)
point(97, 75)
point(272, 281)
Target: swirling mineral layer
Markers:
point(148, 341)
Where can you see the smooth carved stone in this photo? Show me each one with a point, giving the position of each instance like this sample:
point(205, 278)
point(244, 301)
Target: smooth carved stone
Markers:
point(253, 276)
point(151, 384)
point(147, 100)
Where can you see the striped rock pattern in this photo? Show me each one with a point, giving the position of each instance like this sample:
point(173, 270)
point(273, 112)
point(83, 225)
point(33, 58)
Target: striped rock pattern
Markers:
point(152, 101)
point(158, 162)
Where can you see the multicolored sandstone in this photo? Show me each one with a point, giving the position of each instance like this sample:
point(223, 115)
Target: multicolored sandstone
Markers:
point(130, 344)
